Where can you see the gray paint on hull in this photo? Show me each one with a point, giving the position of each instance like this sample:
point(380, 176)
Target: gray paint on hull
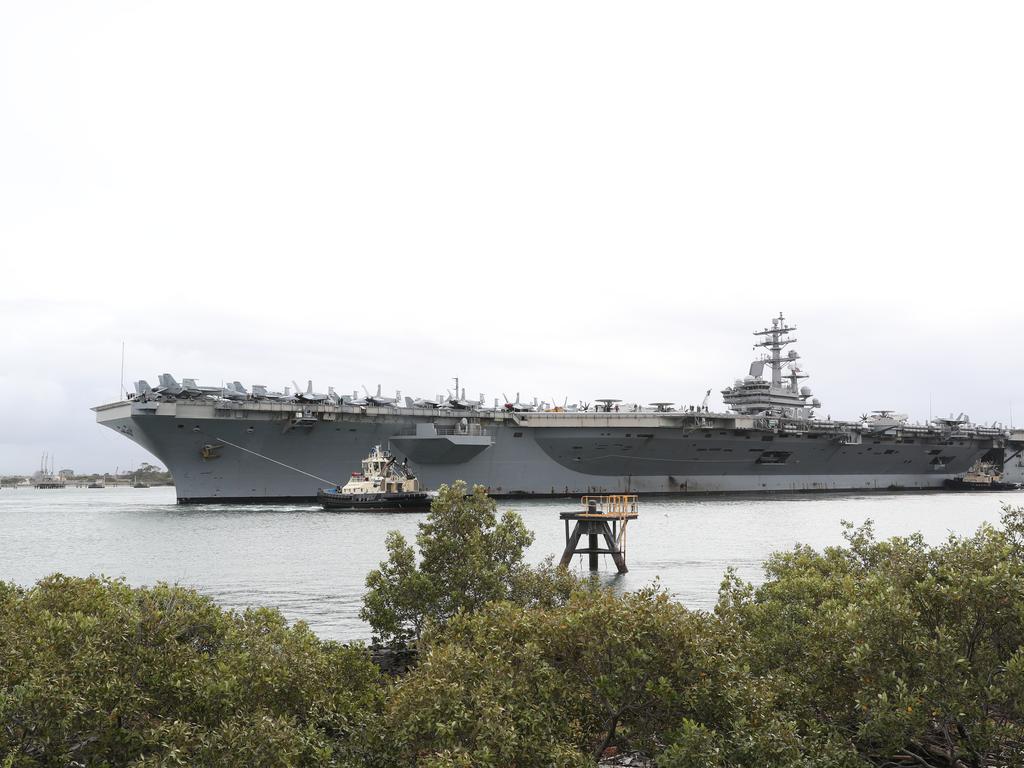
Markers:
point(1013, 470)
point(703, 453)
point(521, 461)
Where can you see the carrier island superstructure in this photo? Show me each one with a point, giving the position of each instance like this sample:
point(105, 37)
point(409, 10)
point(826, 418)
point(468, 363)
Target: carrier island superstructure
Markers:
point(232, 445)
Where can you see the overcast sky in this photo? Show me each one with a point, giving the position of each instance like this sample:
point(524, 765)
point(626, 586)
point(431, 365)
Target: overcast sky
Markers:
point(564, 199)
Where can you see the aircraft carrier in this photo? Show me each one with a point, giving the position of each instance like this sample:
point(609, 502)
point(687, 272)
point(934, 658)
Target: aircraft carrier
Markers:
point(230, 444)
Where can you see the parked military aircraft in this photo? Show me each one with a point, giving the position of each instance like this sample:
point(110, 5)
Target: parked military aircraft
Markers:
point(260, 391)
point(953, 421)
point(422, 402)
point(517, 406)
point(192, 389)
point(234, 390)
point(309, 396)
point(461, 403)
point(379, 399)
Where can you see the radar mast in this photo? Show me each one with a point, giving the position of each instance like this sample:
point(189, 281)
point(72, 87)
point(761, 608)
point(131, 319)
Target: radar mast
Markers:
point(755, 395)
point(775, 341)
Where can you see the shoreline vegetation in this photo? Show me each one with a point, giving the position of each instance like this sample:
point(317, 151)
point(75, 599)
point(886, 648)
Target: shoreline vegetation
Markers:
point(882, 653)
point(148, 474)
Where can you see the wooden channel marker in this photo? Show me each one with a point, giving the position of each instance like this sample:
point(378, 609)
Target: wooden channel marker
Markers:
point(605, 516)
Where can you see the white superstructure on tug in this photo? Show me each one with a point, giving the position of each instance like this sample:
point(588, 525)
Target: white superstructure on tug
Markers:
point(383, 484)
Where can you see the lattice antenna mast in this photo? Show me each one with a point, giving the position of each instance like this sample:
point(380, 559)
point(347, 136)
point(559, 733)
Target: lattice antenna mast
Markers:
point(775, 340)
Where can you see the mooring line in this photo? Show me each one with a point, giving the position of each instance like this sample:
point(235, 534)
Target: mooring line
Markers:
point(275, 461)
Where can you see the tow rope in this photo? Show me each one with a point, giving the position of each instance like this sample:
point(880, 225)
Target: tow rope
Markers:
point(275, 461)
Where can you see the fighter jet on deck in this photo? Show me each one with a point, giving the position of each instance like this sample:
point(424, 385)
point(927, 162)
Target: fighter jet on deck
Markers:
point(309, 396)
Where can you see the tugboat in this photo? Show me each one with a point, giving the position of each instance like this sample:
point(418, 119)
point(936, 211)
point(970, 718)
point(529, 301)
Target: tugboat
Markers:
point(980, 477)
point(383, 485)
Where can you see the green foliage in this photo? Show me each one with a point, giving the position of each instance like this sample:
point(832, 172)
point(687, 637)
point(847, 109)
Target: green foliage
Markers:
point(152, 475)
point(901, 648)
point(875, 653)
point(398, 595)
point(480, 704)
point(468, 558)
point(93, 672)
point(551, 685)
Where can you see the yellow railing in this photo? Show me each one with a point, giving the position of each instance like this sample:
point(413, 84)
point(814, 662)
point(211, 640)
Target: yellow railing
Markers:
point(619, 506)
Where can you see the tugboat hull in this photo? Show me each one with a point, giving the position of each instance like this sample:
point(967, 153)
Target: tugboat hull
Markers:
point(375, 502)
point(959, 484)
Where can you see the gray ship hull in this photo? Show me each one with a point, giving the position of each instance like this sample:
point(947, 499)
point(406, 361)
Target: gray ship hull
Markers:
point(1013, 465)
point(259, 451)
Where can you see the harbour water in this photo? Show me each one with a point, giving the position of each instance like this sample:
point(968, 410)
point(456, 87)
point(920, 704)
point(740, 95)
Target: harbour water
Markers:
point(311, 564)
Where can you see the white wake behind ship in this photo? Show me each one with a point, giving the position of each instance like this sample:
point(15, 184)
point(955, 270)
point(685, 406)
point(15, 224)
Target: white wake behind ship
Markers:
point(230, 444)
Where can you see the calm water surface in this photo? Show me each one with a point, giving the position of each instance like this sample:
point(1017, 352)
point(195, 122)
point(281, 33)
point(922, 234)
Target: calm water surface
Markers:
point(311, 564)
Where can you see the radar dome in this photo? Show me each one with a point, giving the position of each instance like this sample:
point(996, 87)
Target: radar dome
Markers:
point(748, 378)
point(793, 355)
point(805, 391)
point(738, 383)
point(816, 403)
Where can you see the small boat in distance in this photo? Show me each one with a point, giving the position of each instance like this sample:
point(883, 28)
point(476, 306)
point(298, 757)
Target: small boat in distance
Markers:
point(383, 485)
